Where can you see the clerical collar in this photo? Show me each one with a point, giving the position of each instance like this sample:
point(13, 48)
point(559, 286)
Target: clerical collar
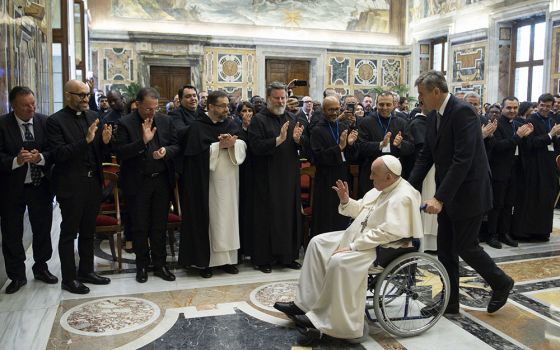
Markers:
point(392, 187)
point(441, 109)
point(73, 112)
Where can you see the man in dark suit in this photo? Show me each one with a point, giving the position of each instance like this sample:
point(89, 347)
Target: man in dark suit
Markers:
point(463, 190)
point(24, 167)
point(77, 141)
point(146, 144)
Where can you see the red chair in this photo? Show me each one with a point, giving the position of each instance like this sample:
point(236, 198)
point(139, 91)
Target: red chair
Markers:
point(109, 223)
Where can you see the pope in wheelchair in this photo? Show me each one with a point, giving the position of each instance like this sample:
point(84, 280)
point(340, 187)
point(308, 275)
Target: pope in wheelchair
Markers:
point(331, 296)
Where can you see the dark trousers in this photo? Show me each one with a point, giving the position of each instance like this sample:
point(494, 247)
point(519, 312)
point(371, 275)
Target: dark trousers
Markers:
point(499, 218)
point(459, 238)
point(38, 200)
point(148, 209)
point(78, 216)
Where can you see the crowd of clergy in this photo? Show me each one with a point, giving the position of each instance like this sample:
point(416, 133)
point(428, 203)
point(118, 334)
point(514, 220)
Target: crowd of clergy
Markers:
point(237, 166)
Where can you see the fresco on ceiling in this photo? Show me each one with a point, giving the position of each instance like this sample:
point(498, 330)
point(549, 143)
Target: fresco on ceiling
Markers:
point(359, 15)
point(426, 8)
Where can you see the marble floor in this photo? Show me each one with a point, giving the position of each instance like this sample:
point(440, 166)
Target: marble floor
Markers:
point(235, 311)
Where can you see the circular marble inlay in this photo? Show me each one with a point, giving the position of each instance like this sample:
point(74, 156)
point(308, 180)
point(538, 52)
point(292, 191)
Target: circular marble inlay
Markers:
point(365, 72)
point(265, 296)
point(109, 316)
point(230, 68)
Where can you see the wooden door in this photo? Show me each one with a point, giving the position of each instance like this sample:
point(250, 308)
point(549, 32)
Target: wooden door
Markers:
point(168, 80)
point(287, 70)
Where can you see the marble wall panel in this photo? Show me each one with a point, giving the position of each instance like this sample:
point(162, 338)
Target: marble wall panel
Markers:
point(468, 67)
point(555, 61)
point(232, 70)
point(113, 64)
point(359, 74)
point(25, 53)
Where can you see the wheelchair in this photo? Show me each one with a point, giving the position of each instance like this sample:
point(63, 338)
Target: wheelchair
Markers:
point(407, 290)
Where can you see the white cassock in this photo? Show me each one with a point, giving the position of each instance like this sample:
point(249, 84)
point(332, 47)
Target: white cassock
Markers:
point(332, 288)
point(223, 202)
point(429, 221)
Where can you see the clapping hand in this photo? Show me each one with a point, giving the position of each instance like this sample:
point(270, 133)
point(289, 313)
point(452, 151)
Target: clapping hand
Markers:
point(352, 137)
point(91, 131)
point(298, 130)
point(341, 190)
point(147, 131)
point(227, 141)
point(283, 133)
point(24, 156)
point(159, 154)
point(398, 140)
point(107, 133)
point(386, 140)
point(343, 138)
point(555, 130)
point(488, 129)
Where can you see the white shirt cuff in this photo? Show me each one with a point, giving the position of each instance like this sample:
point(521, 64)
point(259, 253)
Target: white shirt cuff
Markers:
point(42, 161)
point(15, 164)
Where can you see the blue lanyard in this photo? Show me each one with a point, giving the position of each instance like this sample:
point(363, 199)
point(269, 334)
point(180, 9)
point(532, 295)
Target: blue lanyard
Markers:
point(514, 127)
point(381, 124)
point(336, 136)
point(547, 123)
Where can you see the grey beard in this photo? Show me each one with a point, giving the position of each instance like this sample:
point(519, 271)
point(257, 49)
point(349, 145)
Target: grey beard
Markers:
point(277, 110)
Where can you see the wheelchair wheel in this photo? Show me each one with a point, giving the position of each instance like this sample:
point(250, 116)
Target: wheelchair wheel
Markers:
point(419, 280)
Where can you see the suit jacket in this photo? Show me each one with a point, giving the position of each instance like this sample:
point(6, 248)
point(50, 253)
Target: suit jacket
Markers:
point(503, 153)
point(132, 152)
point(68, 145)
point(11, 141)
point(462, 170)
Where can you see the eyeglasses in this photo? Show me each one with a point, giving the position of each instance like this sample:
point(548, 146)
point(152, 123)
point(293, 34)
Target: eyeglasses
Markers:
point(221, 106)
point(80, 95)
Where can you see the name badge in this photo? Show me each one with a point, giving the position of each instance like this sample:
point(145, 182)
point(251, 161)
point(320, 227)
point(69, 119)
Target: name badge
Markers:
point(551, 147)
point(386, 149)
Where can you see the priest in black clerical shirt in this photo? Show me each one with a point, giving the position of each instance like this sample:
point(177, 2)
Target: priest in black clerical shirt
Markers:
point(534, 207)
point(274, 139)
point(77, 141)
point(332, 144)
point(382, 133)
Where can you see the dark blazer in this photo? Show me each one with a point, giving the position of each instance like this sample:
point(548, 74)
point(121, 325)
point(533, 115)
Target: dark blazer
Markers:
point(462, 170)
point(68, 145)
point(11, 141)
point(503, 153)
point(131, 150)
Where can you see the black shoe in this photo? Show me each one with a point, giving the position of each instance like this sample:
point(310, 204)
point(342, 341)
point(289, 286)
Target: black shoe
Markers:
point(231, 269)
point(303, 321)
point(75, 287)
point(164, 273)
point(431, 252)
point(141, 275)
point(93, 278)
point(493, 242)
point(264, 268)
point(15, 285)
point(45, 276)
point(294, 265)
point(289, 308)
point(506, 239)
point(206, 272)
point(500, 296)
point(435, 308)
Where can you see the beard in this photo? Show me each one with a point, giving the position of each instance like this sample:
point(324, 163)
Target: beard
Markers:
point(277, 110)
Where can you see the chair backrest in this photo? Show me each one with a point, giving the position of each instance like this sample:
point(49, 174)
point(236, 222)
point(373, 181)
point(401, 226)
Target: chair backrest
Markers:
point(113, 180)
point(309, 173)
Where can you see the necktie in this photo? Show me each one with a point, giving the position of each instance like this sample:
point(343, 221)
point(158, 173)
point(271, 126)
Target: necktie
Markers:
point(438, 120)
point(35, 170)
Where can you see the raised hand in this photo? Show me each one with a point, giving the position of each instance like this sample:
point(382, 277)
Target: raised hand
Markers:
point(352, 137)
point(283, 133)
point(91, 131)
point(555, 130)
point(147, 131)
point(341, 190)
point(343, 139)
point(298, 130)
point(227, 141)
point(398, 139)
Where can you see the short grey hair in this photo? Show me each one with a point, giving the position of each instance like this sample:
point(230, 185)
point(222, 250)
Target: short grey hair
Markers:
point(432, 79)
point(275, 85)
point(471, 94)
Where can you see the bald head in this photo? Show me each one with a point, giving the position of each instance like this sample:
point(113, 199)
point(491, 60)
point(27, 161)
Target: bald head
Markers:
point(76, 95)
point(331, 106)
